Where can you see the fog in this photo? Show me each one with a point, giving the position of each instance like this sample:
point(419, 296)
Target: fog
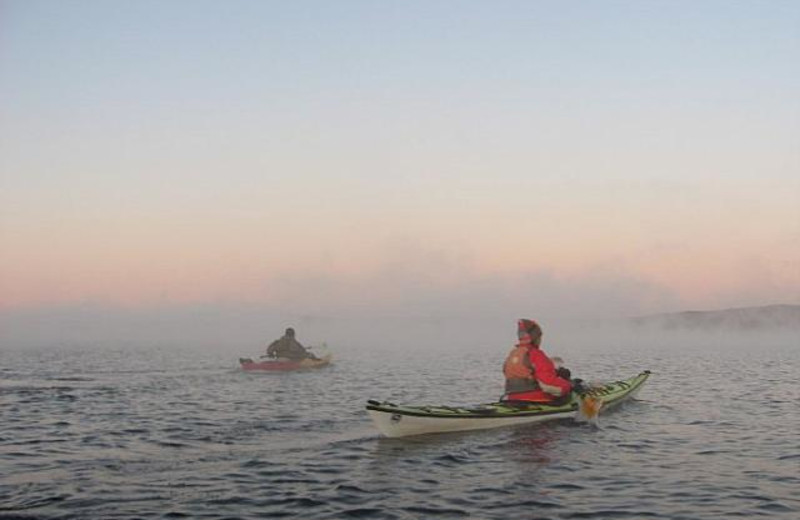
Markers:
point(396, 308)
point(246, 329)
point(229, 327)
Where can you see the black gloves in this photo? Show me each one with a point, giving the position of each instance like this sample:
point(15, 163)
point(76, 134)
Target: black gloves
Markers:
point(564, 373)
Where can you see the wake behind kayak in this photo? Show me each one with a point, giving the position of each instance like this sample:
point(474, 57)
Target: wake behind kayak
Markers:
point(400, 421)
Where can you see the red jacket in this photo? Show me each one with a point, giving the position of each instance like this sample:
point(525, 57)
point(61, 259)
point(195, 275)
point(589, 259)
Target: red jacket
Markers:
point(551, 386)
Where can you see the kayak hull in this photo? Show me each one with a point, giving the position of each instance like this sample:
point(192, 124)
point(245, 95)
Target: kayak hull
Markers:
point(394, 425)
point(281, 365)
point(400, 421)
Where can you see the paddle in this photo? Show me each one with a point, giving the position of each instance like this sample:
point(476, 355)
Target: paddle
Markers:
point(588, 408)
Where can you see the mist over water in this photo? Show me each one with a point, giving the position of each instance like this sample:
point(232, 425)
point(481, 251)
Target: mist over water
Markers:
point(182, 181)
point(236, 328)
point(110, 431)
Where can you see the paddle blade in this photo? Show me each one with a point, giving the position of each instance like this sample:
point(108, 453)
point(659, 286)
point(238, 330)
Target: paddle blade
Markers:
point(589, 408)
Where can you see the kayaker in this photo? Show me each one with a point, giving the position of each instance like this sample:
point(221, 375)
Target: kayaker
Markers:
point(530, 374)
point(288, 347)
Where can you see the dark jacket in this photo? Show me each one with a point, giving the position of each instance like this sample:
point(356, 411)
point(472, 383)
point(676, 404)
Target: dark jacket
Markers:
point(287, 347)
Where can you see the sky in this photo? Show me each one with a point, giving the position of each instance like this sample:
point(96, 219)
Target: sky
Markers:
point(415, 158)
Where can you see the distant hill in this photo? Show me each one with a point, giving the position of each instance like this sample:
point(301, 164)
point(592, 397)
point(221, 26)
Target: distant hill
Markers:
point(769, 317)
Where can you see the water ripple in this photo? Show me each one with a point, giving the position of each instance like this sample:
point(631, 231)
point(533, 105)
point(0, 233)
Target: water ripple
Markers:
point(83, 439)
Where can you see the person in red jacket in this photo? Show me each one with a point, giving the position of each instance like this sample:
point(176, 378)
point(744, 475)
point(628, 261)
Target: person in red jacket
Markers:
point(531, 375)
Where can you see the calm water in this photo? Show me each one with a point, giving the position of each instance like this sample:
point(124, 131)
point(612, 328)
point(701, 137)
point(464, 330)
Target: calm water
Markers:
point(149, 433)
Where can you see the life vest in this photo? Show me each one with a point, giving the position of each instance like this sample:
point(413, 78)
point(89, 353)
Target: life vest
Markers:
point(519, 371)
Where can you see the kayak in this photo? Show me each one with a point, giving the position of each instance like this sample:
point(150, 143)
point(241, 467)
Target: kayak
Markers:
point(399, 421)
point(283, 364)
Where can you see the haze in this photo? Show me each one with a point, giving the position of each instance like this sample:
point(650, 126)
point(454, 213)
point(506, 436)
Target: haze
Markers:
point(216, 170)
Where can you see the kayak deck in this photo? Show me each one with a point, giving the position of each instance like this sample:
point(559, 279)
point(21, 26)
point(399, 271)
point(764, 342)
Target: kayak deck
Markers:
point(399, 420)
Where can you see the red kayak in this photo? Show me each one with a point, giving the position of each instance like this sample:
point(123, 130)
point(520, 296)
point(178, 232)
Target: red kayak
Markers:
point(283, 364)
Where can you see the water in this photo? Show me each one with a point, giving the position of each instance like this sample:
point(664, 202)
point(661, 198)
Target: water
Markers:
point(149, 433)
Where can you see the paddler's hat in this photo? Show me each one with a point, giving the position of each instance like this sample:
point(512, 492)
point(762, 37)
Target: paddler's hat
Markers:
point(529, 331)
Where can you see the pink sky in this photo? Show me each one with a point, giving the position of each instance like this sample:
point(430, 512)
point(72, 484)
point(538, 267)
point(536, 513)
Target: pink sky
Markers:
point(569, 155)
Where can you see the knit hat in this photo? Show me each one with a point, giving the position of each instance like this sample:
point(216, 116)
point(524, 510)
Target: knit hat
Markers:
point(529, 332)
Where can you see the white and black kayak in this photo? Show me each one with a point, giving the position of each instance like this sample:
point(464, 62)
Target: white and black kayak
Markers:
point(399, 421)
